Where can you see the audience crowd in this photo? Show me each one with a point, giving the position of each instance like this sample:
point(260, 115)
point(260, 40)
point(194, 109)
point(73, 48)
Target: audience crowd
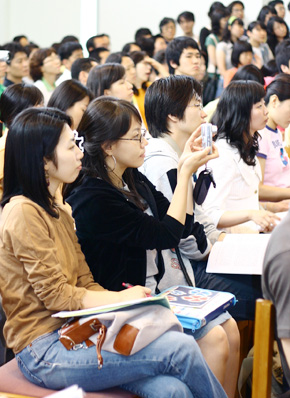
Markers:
point(97, 156)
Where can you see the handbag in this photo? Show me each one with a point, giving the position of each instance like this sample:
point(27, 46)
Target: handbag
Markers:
point(125, 331)
point(202, 185)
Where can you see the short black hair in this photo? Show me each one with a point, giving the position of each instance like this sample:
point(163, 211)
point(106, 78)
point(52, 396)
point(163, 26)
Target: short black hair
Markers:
point(67, 48)
point(233, 3)
point(165, 21)
point(147, 44)
point(101, 77)
point(67, 94)
point(18, 38)
point(175, 48)
point(95, 53)
point(13, 48)
point(168, 96)
point(249, 72)
point(282, 54)
point(254, 24)
point(90, 43)
point(187, 15)
point(16, 98)
point(81, 64)
point(127, 47)
point(116, 57)
point(68, 38)
point(274, 2)
point(142, 32)
point(239, 47)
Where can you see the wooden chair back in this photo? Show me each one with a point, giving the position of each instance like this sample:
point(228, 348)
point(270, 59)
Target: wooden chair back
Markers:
point(263, 349)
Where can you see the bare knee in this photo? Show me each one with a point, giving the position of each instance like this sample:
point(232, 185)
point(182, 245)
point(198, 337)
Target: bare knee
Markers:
point(233, 335)
point(215, 343)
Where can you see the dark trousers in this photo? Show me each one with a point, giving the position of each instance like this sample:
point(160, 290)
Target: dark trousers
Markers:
point(246, 288)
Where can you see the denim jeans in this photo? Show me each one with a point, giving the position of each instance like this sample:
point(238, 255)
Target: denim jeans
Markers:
point(171, 366)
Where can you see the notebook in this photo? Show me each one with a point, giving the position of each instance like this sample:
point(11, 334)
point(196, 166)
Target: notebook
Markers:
point(195, 307)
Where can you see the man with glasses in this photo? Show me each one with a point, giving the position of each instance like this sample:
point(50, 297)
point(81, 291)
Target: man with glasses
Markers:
point(173, 111)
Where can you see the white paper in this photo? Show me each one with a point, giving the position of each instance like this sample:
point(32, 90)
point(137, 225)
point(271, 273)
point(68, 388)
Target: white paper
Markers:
point(238, 254)
point(71, 392)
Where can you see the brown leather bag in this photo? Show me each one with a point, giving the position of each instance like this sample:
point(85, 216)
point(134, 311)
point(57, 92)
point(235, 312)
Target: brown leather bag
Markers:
point(73, 334)
point(124, 331)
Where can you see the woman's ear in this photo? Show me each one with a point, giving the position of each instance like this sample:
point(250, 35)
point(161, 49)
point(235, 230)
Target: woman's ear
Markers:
point(274, 101)
point(107, 92)
point(107, 148)
point(46, 166)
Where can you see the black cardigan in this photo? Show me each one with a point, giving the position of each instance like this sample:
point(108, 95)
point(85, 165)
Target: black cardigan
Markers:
point(114, 233)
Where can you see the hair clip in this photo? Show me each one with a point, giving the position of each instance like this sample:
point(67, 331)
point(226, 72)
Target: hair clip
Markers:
point(79, 140)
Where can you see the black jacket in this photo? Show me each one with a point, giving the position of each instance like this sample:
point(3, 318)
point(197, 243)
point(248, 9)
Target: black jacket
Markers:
point(114, 233)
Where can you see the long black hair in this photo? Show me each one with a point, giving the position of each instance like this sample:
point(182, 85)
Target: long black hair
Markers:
point(33, 136)
point(105, 121)
point(233, 117)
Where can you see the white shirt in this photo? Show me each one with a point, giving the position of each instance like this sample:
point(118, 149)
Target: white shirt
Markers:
point(237, 186)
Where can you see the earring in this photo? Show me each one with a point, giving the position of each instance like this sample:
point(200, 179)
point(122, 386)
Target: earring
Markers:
point(46, 177)
point(115, 163)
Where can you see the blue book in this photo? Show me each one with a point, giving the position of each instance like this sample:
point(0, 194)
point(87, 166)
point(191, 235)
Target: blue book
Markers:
point(195, 307)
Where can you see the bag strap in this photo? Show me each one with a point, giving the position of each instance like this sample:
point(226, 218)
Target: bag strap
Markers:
point(183, 269)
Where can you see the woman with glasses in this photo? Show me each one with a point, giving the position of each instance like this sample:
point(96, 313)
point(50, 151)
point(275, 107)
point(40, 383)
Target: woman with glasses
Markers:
point(44, 70)
point(43, 271)
point(122, 222)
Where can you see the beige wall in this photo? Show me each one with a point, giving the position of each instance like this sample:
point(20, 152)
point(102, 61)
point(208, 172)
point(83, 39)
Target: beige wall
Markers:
point(47, 21)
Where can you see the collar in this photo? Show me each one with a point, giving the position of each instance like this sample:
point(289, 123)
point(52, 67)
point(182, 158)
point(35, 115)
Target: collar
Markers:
point(274, 131)
point(7, 82)
point(167, 138)
point(47, 85)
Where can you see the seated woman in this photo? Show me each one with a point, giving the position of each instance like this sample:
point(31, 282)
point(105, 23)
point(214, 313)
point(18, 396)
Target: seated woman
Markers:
point(44, 69)
point(234, 204)
point(110, 79)
point(274, 161)
point(277, 31)
point(219, 19)
point(242, 54)
point(123, 223)
point(15, 99)
point(233, 31)
point(125, 60)
point(42, 271)
point(73, 98)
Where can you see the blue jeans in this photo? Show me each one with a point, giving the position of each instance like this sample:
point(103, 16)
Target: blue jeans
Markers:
point(171, 366)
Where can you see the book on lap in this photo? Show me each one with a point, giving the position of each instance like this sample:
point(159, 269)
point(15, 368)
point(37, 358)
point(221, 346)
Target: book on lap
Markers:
point(194, 307)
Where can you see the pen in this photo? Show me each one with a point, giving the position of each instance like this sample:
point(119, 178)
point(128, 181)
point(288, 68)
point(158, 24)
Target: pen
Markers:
point(128, 286)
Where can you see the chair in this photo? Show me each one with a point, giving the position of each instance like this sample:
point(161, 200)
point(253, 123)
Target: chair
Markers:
point(263, 349)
